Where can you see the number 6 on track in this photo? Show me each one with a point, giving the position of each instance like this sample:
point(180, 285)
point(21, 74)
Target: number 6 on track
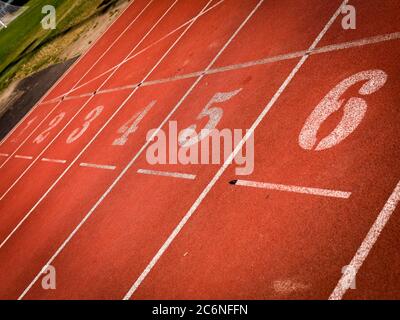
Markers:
point(353, 110)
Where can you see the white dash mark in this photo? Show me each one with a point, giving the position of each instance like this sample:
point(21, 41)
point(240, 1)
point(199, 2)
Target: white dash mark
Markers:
point(24, 157)
point(295, 189)
point(97, 166)
point(54, 160)
point(168, 174)
point(4, 155)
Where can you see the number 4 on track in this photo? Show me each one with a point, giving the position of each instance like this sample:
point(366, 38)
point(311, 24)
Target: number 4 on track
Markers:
point(132, 125)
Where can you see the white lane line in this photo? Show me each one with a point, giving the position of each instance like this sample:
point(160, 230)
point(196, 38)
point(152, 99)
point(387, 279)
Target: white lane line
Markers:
point(110, 46)
point(41, 101)
point(23, 157)
point(144, 49)
point(97, 166)
point(78, 112)
point(366, 246)
point(54, 160)
point(357, 43)
point(4, 155)
point(249, 64)
point(80, 153)
point(295, 189)
point(68, 239)
point(168, 174)
point(129, 165)
point(228, 161)
point(48, 114)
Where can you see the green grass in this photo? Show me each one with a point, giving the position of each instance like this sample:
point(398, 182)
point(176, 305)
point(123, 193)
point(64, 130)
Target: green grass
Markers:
point(25, 36)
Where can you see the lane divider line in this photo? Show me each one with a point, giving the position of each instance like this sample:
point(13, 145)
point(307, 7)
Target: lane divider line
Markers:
point(168, 174)
point(60, 177)
point(31, 134)
point(77, 113)
point(43, 99)
point(141, 51)
point(54, 160)
point(373, 234)
point(249, 64)
point(4, 154)
point(97, 166)
point(228, 161)
point(295, 189)
point(142, 149)
point(59, 102)
point(357, 43)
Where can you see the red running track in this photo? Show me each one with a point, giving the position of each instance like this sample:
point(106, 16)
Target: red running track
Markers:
point(73, 193)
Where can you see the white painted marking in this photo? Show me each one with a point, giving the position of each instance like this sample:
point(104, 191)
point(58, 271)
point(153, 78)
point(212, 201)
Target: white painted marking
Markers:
point(249, 64)
point(125, 170)
point(30, 135)
point(61, 79)
point(351, 271)
point(358, 43)
point(354, 111)
point(54, 160)
point(214, 115)
point(89, 118)
point(23, 157)
point(4, 155)
point(108, 48)
point(228, 161)
point(97, 166)
point(295, 189)
point(144, 49)
point(53, 124)
point(168, 174)
point(42, 152)
point(132, 125)
point(79, 111)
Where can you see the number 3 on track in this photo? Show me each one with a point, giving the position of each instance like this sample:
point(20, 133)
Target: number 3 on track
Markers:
point(353, 111)
point(90, 117)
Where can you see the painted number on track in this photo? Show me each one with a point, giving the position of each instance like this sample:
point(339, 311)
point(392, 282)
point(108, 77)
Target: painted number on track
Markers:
point(353, 111)
point(90, 117)
point(187, 138)
point(53, 123)
point(132, 125)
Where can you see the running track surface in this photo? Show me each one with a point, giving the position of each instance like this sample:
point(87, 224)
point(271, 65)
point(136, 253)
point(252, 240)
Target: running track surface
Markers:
point(79, 195)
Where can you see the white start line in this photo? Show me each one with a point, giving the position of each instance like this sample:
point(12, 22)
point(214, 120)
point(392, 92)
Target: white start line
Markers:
point(168, 174)
point(295, 189)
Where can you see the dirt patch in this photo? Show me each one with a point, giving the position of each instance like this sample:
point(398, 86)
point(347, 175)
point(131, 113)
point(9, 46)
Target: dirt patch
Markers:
point(85, 35)
point(72, 43)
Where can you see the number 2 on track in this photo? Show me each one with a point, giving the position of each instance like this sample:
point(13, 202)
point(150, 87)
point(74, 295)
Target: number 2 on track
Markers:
point(53, 123)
